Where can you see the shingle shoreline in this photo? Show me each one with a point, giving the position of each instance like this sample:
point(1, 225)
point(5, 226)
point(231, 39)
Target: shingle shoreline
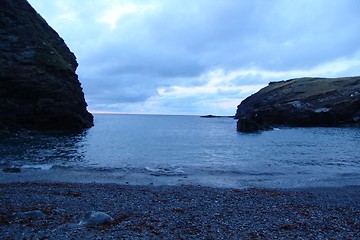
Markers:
point(53, 211)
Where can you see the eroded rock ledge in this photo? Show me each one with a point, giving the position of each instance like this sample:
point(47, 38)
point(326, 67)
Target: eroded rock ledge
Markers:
point(302, 102)
point(39, 88)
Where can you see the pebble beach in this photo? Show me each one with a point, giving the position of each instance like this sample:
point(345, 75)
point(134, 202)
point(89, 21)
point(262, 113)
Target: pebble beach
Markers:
point(35, 210)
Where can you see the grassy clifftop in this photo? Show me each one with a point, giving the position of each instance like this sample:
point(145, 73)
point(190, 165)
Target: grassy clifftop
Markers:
point(307, 87)
point(303, 102)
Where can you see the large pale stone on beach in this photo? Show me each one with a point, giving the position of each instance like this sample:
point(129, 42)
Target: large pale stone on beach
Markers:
point(95, 218)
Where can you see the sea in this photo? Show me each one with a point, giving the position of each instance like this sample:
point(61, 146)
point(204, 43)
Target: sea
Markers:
point(183, 150)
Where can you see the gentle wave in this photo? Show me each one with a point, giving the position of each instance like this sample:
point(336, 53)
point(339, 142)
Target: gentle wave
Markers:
point(165, 171)
point(38, 166)
point(186, 150)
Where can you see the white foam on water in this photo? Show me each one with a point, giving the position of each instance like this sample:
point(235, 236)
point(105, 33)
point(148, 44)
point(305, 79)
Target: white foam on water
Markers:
point(165, 171)
point(37, 166)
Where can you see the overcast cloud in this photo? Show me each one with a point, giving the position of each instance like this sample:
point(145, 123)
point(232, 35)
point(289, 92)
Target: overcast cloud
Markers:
point(201, 56)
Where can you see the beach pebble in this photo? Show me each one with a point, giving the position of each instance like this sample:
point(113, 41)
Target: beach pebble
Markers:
point(30, 214)
point(95, 218)
point(12, 170)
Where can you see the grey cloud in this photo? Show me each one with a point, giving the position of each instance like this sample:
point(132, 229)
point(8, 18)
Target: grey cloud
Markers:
point(179, 41)
point(153, 63)
point(187, 38)
point(124, 88)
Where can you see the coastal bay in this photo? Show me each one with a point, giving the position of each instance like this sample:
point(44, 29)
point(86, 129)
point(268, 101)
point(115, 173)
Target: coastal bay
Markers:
point(133, 176)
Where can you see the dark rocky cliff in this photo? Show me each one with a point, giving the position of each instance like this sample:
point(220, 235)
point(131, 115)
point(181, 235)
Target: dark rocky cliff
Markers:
point(302, 102)
point(39, 88)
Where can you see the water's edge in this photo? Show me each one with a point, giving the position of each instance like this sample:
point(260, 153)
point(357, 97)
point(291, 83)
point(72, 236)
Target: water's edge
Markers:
point(177, 150)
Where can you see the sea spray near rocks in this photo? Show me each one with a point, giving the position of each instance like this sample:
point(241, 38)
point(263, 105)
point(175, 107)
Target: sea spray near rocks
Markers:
point(39, 88)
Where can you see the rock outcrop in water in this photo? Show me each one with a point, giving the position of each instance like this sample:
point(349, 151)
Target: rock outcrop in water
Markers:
point(303, 102)
point(39, 88)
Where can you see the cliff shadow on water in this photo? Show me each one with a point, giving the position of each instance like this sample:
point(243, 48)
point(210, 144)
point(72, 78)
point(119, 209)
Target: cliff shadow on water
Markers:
point(41, 149)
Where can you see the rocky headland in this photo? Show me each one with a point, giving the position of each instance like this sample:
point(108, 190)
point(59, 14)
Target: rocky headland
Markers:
point(39, 88)
point(215, 116)
point(302, 102)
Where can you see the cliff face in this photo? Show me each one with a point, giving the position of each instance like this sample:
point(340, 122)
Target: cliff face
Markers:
point(39, 88)
point(302, 102)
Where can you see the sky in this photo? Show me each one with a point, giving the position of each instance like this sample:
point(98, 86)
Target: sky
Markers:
point(200, 57)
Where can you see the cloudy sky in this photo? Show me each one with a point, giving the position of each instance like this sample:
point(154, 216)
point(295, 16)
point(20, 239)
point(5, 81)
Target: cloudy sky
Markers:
point(201, 56)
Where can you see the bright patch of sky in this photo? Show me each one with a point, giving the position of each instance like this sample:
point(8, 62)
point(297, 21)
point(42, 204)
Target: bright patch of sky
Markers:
point(201, 56)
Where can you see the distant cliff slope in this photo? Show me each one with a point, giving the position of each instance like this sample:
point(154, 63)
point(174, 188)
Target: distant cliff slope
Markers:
point(38, 85)
point(302, 102)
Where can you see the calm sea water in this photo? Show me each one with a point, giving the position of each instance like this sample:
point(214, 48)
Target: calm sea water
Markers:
point(153, 149)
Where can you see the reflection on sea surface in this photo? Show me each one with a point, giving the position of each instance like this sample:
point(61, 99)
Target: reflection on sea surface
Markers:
point(143, 149)
point(41, 149)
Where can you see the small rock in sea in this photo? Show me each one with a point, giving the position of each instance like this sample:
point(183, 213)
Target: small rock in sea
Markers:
point(95, 218)
point(12, 170)
point(30, 214)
